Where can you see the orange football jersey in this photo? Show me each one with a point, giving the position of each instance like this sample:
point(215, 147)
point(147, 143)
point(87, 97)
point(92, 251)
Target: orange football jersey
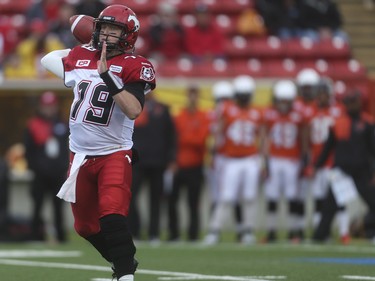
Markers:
point(240, 130)
point(319, 125)
point(284, 133)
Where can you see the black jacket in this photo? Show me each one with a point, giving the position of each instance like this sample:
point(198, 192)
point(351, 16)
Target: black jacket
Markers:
point(47, 147)
point(154, 135)
point(352, 140)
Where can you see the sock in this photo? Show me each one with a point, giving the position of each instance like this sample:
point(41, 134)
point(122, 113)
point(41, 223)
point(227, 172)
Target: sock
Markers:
point(271, 215)
point(98, 241)
point(119, 244)
point(343, 222)
point(271, 221)
point(218, 217)
point(248, 215)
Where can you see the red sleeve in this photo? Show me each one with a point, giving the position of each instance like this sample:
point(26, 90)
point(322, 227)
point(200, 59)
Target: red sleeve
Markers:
point(138, 69)
point(82, 56)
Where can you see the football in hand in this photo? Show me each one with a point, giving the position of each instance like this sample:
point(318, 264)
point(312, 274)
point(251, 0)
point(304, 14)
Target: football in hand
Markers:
point(82, 27)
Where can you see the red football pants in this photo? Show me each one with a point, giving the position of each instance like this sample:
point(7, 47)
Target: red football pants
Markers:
point(103, 187)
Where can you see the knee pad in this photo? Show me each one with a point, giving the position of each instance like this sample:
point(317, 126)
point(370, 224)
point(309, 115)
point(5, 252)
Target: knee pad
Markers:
point(272, 206)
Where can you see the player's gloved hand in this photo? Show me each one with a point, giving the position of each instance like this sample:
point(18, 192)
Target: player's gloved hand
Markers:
point(114, 87)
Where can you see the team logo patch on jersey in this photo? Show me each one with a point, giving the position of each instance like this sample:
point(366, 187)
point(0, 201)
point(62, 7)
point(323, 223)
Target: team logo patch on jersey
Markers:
point(115, 68)
point(147, 73)
point(82, 63)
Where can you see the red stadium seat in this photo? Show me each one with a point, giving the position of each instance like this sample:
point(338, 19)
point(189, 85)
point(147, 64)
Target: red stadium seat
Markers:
point(215, 6)
point(349, 70)
point(145, 21)
point(322, 66)
point(237, 47)
point(335, 48)
point(303, 48)
point(252, 67)
point(281, 68)
point(176, 68)
point(185, 6)
point(14, 7)
point(233, 6)
point(226, 23)
point(139, 6)
point(216, 68)
point(267, 47)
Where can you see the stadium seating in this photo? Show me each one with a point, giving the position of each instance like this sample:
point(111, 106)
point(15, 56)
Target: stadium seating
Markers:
point(259, 56)
point(11, 7)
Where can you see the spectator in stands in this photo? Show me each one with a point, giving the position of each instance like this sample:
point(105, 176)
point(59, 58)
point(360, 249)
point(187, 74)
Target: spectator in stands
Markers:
point(166, 33)
point(154, 139)
point(250, 23)
point(90, 7)
point(282, 18)
point(322, 19)
point(204, 40)
point(47, 155)
point(192, 130)
point(61, 26)
point(24, 62)
point(45, 10)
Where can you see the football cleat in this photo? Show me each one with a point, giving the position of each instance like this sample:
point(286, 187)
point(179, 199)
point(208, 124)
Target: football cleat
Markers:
point(211, 239)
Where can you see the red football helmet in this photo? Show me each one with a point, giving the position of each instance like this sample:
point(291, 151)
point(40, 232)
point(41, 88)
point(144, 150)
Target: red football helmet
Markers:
point(123, 17)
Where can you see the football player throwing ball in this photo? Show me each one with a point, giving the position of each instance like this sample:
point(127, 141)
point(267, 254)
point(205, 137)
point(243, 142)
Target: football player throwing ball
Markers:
point(109, 84)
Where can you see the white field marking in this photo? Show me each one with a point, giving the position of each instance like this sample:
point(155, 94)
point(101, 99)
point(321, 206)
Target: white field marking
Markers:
point(355, 277)
point(208, 277)
point(38, 254)
point(176, 275)
point(298, 247)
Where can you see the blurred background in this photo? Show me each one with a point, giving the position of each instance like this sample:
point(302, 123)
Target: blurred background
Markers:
point(188, 42)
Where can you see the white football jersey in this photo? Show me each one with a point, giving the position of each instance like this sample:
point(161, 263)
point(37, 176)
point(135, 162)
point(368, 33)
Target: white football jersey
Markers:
point(97, 124)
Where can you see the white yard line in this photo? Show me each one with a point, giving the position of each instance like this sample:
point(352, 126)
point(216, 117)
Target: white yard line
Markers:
point(162, 275)
point(38, 254)
point(355, 277)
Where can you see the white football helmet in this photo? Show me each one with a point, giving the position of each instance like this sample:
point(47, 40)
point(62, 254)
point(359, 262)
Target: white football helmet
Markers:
point(285, 90)
point(222, 90)
point(243, 85)
point(307, 77)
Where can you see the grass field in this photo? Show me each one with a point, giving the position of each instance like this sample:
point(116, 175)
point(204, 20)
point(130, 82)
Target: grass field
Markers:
point(77, 261)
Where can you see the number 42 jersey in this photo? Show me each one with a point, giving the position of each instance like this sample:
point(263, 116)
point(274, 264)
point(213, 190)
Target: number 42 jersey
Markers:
point(97, 124)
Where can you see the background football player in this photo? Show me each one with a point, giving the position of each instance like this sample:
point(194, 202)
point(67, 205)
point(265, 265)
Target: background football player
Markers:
point(241, 126)
point(286, 138)
point(307, 81)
